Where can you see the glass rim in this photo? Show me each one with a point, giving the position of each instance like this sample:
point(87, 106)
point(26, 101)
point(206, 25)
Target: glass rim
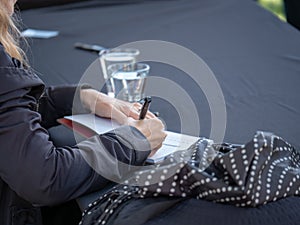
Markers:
point(141, 67)
point(130, 51)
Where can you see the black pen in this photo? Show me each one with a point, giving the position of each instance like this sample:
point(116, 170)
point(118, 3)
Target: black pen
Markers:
point(145, 107)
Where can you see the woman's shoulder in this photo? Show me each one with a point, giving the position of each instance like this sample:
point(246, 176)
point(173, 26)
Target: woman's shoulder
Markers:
point(14, 76)
point(5, 59)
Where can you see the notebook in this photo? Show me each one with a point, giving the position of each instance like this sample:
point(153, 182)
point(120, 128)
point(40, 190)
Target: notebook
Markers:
point(88, 125)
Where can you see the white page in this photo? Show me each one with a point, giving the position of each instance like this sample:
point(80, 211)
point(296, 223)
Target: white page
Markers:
point(98, 124)
point(173, 142)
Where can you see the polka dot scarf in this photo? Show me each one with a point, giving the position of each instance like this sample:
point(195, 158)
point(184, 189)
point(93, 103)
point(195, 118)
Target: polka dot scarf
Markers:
point(265, 169)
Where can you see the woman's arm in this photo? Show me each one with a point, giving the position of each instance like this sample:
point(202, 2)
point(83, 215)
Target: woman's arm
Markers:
point(59, 101)
point(44, 174)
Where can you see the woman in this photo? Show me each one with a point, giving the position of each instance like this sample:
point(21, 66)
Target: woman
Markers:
point(34, 172)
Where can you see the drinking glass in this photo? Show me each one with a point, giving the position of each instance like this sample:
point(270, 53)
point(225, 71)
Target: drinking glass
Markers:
point(129, 80)
point(115, 56)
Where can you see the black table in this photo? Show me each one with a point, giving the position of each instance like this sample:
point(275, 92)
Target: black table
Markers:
point(254, 56)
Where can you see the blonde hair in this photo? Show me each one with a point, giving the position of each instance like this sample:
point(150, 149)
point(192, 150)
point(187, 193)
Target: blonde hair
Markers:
point(10, 35)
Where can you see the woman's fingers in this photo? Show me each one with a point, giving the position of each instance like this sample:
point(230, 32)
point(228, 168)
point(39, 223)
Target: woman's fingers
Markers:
point(155, 150)
point(152, 129)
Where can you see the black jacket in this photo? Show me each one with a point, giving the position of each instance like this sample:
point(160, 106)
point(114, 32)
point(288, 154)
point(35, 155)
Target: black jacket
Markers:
point(33, 172)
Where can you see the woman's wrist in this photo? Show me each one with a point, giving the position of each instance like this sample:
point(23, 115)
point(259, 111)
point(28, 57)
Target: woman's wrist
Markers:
point(88, 98)
point(93, 99)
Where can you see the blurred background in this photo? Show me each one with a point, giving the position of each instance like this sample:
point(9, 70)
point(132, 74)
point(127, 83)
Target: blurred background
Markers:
point(275, 6)
point(286, 10)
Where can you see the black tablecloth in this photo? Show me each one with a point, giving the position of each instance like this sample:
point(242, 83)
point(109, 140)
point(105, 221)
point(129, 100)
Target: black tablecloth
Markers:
point(254, 56)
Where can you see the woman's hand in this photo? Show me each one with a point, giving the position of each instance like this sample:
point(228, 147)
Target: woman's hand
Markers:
point(153, 129)
point(125, 113)
point(105, 106)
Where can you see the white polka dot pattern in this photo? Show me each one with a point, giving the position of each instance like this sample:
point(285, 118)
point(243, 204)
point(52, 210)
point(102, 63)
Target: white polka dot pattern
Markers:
point(265, 169)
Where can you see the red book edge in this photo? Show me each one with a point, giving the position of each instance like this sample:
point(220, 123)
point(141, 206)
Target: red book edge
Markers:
point(78, 128)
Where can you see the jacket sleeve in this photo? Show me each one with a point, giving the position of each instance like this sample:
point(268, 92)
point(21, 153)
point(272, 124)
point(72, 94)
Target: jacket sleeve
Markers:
point(59, 101)
point(42, 173)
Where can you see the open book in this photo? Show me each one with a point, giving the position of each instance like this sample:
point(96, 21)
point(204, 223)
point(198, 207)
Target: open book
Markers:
point(88, 125)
